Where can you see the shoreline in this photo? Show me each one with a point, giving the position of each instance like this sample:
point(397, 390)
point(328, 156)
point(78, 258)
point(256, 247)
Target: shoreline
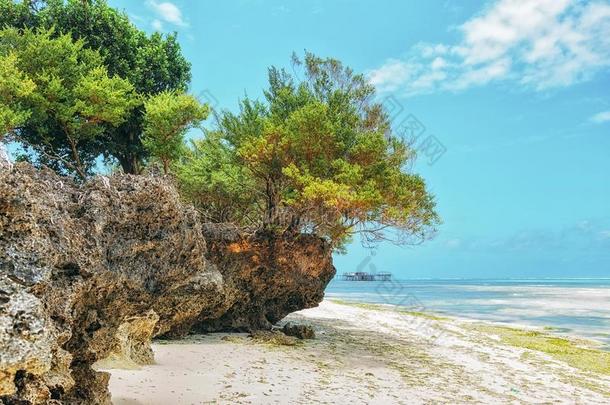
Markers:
point(553, 331)
point(368, 355)
point(567, 309)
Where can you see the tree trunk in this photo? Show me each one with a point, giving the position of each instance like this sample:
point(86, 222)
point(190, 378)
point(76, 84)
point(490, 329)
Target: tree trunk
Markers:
point(78, 166)
point(271, 217)
point(129, 163)
point(295, 223)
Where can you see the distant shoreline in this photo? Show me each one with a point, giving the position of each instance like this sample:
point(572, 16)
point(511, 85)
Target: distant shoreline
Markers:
point(514, 279)
point(579, 308)
point(549, 330)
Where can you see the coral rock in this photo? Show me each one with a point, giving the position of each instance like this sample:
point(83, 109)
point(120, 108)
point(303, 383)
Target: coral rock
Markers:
point(92, 271)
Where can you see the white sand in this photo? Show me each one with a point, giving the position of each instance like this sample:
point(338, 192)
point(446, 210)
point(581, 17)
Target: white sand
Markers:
point(360, 356)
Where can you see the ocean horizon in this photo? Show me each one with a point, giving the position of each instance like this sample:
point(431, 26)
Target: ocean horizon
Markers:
point(578, 307)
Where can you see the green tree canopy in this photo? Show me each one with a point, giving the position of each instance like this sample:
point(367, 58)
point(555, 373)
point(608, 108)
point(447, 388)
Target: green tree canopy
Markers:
point(15, 87)
point(152, 63)
point(318, 159)
point(211, 179)
point(74, 99)
point(168, 117)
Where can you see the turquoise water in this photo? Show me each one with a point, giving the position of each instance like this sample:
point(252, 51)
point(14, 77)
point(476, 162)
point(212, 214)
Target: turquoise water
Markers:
point(579, 307)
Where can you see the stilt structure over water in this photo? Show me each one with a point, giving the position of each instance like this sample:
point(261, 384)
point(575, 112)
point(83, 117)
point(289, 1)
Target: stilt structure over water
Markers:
point(364, 276)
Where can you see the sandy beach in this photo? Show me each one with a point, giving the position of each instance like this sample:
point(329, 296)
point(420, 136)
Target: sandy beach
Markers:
point(370, 354)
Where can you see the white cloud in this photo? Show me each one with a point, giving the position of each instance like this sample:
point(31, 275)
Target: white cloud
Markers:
point(537, 44)
point(168, 12)
point(157, 25)
point(601, 117)
point(391, 75)
point(438, 63)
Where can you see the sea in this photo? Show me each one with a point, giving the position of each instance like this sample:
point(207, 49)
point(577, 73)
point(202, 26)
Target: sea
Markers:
point(575, 307)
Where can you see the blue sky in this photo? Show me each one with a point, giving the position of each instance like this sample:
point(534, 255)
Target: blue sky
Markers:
point(515, 92)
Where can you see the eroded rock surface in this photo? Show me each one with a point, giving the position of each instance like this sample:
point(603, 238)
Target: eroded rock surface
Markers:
point(132, 343)
point(87, 272)
point(299, 331)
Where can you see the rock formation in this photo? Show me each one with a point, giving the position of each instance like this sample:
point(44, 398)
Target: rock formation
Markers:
point(5, 160)
point(299, 331)
point(91, 271)
point(265, 280)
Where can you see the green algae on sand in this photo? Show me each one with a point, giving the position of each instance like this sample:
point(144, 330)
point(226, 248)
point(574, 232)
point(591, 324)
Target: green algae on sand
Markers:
point(578, 354)
point(390, 308)
point(575, 353)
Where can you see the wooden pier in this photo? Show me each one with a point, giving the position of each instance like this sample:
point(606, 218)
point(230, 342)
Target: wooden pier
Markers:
point(363, 276)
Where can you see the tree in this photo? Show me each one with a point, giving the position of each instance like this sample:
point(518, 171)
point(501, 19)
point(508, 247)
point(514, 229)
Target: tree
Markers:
point(15, 87)
point(74, 100)
point(169, 115)
point(215, 184)
point(151, 63)
point(319, 159)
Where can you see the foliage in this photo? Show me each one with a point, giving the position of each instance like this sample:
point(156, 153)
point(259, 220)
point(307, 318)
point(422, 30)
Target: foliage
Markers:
point(313, 156)
point(319, 160)
point(168, 117)
point(224, 191)
point(73, 101)
point(151, 63)
point(14, 88)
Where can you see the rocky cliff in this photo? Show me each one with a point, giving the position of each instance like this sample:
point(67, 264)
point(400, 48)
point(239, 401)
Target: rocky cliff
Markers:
point(93, 271)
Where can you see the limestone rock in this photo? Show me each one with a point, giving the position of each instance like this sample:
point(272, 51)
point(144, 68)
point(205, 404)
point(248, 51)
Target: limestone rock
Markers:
point(132, 343)
point(266, 279)
point(91, 271)
point(299, 331)
point(28, 345)
point(77, 263)
point(5, 160)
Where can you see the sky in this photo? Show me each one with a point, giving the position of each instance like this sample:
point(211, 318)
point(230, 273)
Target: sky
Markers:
point(506, 101)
